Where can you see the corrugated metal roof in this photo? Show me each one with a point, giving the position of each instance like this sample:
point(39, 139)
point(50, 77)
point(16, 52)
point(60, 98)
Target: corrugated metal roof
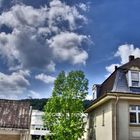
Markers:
point(14, 114)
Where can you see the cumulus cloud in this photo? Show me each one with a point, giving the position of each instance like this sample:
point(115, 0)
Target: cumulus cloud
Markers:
point(45, 78)
point(68, 49)
point(39, 36)
point(71, 14)
point(14, 84)
point(51, 67)
point(123, 52)
point(83, 6)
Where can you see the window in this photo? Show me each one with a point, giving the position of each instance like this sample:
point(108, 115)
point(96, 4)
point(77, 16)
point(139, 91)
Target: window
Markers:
point(37, 128)
point(134, 111)
point(134, 78)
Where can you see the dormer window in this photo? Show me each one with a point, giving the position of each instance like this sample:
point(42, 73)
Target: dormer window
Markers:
point(134, 78)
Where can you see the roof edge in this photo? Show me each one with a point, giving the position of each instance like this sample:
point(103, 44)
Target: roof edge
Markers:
point(112, 95)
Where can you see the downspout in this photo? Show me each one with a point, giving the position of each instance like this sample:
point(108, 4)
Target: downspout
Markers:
point(115, 117)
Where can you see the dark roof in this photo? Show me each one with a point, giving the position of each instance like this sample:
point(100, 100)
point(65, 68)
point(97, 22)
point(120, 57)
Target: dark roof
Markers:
point(117, 81)
point(107, 85)
point(135, 63)
point(14, 114)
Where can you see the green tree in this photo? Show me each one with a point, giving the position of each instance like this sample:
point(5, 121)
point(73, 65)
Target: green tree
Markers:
point(64, 110)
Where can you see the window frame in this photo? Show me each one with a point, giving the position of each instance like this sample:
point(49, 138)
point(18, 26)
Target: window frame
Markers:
point(137, 112)
point(131, 80)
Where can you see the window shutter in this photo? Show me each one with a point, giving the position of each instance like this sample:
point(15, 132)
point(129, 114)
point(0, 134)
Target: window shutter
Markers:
point(139, 79)
point(129, 79)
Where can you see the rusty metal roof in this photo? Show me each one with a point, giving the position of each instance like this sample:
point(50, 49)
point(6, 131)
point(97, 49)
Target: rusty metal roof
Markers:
point(14, 114)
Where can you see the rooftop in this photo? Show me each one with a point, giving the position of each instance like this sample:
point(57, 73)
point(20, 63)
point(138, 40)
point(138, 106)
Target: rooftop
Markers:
point(14, 114)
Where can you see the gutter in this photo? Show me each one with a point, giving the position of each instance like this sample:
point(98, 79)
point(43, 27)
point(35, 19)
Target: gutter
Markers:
point(112, 95)
point(100, 101)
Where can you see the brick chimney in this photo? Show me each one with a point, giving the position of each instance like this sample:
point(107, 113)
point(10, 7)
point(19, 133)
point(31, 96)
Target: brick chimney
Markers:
point(131, 57)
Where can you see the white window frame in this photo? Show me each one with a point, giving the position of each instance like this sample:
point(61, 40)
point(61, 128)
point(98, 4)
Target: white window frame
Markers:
point(137, 111)
point(130, 78)
point(94, 93)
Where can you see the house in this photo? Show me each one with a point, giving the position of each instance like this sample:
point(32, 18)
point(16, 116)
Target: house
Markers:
point(38, 131)
point(115, 111)
point(14, 120)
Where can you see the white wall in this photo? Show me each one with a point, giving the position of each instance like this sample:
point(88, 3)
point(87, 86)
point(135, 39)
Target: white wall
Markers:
point(37, 127)
point(102, 123)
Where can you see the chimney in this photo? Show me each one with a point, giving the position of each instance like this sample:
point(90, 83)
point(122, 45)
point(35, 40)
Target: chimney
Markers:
point(116, 67)
point(131, 57)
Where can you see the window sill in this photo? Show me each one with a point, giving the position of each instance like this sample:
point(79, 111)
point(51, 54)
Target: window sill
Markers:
point(136, 125)
point(134, 86)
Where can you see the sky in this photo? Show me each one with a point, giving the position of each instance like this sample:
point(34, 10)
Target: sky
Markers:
point(39, 39)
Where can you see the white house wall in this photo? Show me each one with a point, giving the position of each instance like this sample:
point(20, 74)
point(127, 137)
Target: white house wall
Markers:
point(126, 131)
point(102, 128)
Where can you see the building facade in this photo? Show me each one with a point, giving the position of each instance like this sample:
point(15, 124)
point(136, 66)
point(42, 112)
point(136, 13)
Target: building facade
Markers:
point(38, 131)
point(115, 111)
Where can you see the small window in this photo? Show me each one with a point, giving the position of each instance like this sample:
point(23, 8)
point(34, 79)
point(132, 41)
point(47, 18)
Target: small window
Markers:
point(37, 128)
point(135, 75)
point(133, 117)
point(134, 78)
point(132, 107)
point(135, 83)
point(139, 117)
point(134, 114)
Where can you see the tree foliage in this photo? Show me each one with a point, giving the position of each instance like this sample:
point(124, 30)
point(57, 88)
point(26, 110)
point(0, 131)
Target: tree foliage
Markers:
point(64, 111)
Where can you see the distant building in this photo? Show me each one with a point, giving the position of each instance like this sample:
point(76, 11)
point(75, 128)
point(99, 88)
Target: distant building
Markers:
point(38, 131)
point(14, 120)
point(115, 111)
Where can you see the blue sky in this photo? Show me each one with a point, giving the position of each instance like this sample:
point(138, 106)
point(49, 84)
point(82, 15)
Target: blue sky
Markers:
point(38, 39)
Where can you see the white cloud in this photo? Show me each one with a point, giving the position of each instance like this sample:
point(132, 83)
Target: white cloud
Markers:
point(65, 47)
point(89, 97)
point(83, 6)
point(14, 84)
point(111, 68)
point(59, 11)
point(38, 36)
point(124, 51)
point(45, 78)
point(21, 15)
point(51, 67)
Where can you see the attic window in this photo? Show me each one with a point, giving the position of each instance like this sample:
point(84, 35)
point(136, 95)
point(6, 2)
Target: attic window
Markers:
point(134, 78)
